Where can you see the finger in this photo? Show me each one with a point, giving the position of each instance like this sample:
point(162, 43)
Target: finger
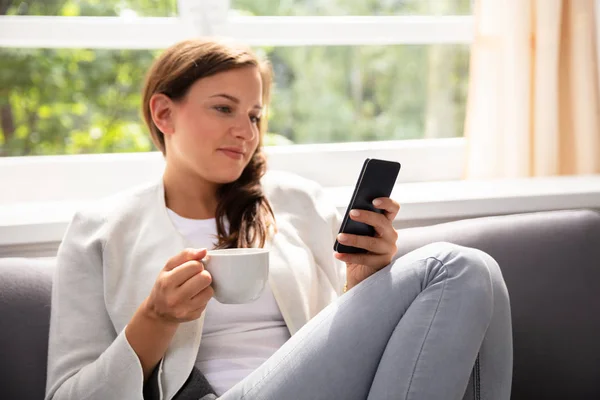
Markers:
point(376, 261)
point(194, 285)
point(389, 206)
point(376, 220)
point(185, 271)
point(372, 244)
point(202, 298)
point(185, 255)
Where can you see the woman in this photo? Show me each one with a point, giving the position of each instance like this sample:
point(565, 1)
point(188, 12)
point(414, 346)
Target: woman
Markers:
point(132, 315)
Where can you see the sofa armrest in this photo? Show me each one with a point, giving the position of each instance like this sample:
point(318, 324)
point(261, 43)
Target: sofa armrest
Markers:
point(25, 290)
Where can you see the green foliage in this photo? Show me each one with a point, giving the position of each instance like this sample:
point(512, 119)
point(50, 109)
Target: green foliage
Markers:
point(69, 101)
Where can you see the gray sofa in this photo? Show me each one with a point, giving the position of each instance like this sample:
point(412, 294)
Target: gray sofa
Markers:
point(550, 261)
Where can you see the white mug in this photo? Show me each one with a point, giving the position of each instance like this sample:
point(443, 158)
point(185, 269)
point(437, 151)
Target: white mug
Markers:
point(238, 275)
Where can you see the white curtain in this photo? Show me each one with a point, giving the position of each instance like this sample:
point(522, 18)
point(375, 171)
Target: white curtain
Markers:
point(533, 106)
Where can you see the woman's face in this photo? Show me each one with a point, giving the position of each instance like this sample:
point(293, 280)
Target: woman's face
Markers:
point(215, 126)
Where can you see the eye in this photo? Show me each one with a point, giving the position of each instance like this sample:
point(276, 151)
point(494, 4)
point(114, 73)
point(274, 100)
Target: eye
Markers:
point(255, 119)
point(223, 109)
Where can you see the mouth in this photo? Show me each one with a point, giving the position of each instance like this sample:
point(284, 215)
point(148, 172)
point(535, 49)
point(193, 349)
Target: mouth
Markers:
point(233, 152)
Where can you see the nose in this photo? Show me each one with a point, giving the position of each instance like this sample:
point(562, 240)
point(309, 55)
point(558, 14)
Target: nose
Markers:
point(244, 129)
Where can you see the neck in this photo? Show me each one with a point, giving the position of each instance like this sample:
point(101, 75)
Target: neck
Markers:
point(189, 195)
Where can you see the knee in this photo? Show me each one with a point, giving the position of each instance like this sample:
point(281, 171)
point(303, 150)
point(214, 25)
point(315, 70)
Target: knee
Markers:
point(468, 265)
point(478, 277)
point(448, 253)
point(456, 256)
point(475, 271)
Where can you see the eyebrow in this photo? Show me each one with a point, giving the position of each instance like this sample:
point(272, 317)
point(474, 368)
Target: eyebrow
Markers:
point(234, 99)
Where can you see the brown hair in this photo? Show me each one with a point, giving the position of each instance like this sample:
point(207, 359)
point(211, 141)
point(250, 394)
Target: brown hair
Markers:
point(242, 202)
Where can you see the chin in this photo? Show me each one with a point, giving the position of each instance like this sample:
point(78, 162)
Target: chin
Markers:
point(227, 175)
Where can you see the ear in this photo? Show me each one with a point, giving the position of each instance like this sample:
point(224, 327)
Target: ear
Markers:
point(161, 108)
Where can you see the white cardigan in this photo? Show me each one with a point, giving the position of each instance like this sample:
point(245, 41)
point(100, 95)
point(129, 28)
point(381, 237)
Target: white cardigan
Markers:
point(110, 258)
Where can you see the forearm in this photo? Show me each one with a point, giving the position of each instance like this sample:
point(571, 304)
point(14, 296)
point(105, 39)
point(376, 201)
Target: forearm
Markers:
point(149, 337)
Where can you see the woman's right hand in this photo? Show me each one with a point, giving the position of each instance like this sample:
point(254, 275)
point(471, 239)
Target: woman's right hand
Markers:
point(182, 289)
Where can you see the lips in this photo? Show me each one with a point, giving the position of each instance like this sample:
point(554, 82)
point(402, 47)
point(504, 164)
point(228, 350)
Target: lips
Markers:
point(233, 152)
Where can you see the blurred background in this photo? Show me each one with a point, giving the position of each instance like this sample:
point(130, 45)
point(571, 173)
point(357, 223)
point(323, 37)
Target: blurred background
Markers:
point(492, 107)
point(73, 101)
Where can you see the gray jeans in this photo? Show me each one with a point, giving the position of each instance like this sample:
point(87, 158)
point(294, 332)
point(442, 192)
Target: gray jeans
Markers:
point(434, 324)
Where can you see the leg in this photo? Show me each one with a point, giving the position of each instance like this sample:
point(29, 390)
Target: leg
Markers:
point(411, 331)
point(446, 353)
point(492, 373)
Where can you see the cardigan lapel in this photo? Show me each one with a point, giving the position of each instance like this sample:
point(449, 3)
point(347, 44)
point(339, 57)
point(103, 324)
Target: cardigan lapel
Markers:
point(183, 349)
point(133, 258)
point(290, 286)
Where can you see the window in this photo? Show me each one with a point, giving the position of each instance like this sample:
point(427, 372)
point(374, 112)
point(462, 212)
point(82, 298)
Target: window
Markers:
point(91, 8)
point(352, 7)
point(72, 101)
point(345, 71)
point(67, 101)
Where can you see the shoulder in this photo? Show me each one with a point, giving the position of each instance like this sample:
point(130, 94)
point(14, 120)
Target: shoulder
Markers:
point(289, 192)
point(281, 186)
point(292, 194)
point(100, 216)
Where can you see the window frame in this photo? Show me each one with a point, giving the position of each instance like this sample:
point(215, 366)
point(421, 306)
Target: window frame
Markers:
point(343, 159)
point(161, 32)
point(88, 176)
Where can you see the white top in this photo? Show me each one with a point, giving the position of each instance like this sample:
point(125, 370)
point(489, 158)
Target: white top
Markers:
point(237, 338)
point(108, 262)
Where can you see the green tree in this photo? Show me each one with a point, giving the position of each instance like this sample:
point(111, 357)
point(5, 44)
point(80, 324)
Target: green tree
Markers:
point(64, 101)
point(67, 101)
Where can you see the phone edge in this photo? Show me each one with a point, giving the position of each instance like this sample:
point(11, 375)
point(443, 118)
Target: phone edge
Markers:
point(349, 207)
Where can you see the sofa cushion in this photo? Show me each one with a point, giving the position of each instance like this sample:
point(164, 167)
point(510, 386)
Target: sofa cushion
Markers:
point(551, 265)
point(25, 289)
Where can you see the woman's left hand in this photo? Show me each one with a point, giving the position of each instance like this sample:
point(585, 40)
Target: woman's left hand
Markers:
point(381, 248)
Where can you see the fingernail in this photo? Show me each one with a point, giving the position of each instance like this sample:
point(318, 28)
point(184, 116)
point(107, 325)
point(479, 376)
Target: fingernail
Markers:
point(377, 202)
point(342, 237)
point(355, 213)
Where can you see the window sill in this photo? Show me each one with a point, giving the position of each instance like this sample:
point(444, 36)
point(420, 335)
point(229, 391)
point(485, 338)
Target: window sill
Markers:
point(24, 226)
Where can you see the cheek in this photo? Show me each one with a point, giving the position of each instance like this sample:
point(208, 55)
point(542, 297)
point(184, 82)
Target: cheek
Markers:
point(255, 142)
point(257, 138)
point(200, 125)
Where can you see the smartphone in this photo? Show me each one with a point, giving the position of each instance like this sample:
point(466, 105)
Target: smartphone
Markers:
point(376, 179)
